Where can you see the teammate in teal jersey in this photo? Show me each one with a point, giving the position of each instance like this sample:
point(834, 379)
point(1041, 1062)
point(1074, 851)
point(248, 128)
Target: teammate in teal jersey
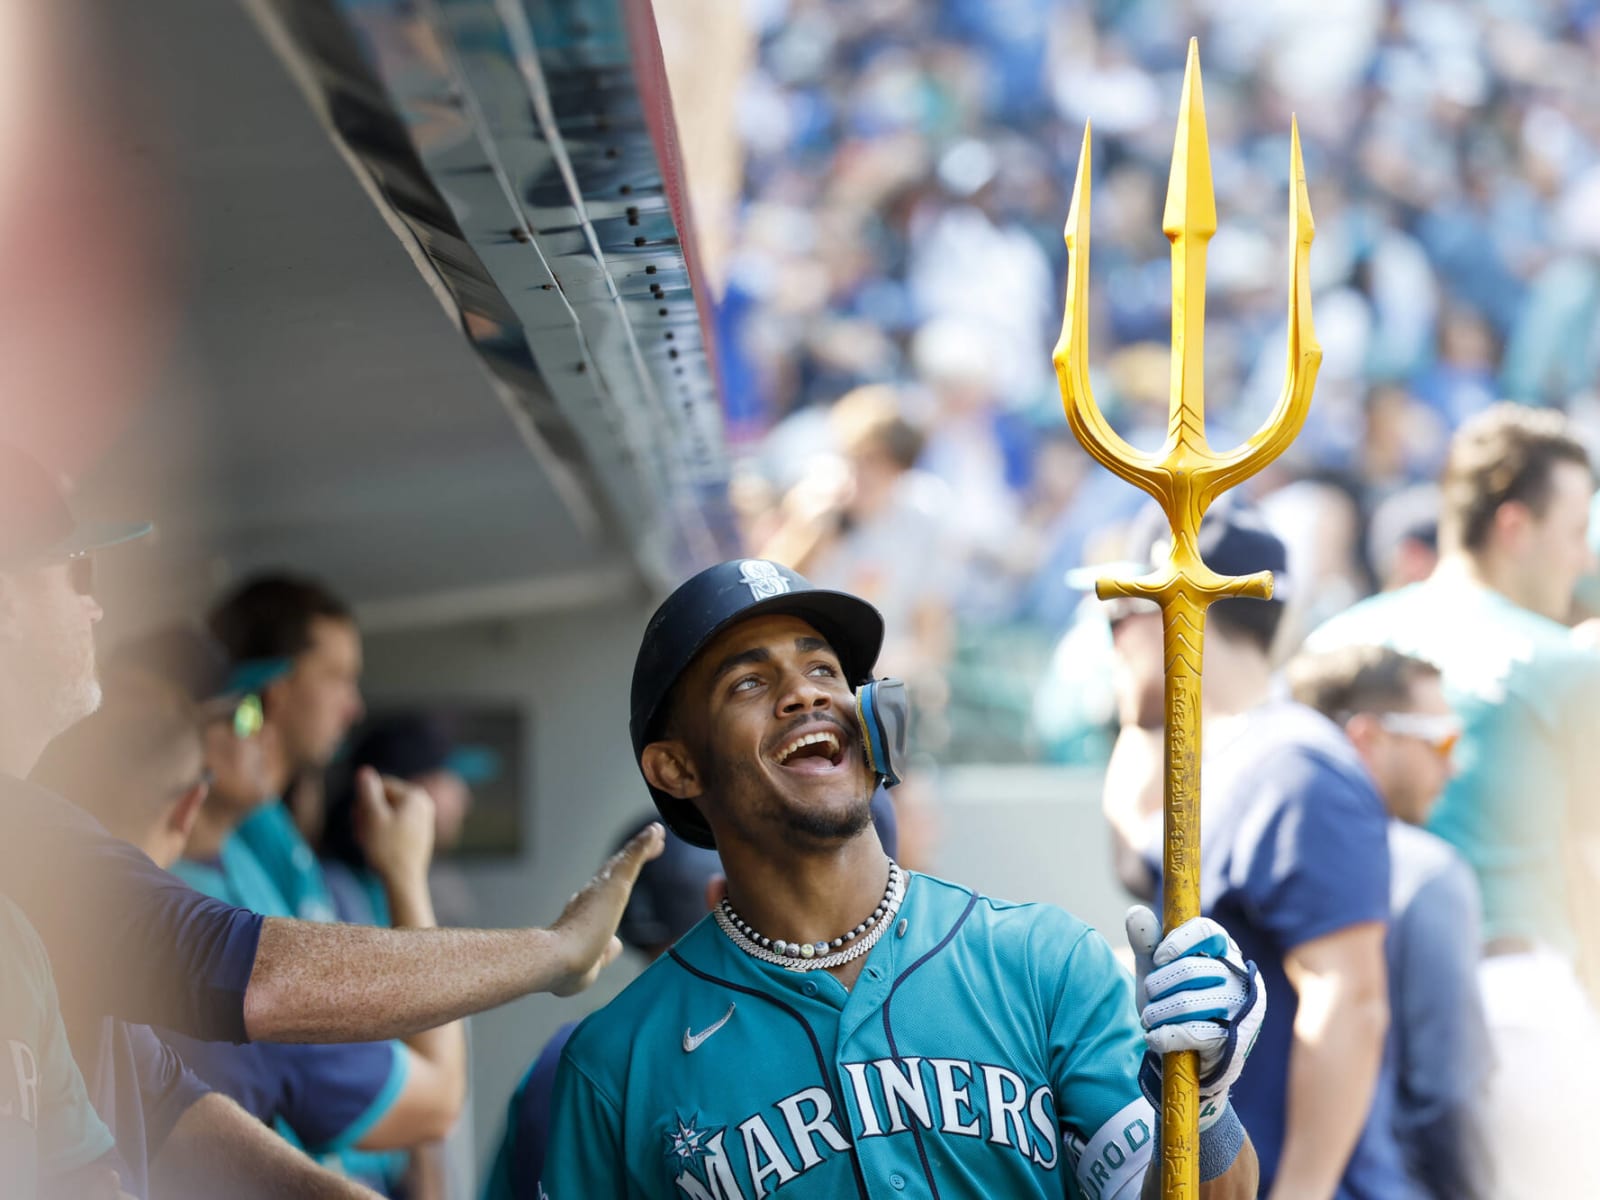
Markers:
point(1515, 507)
point(50, 1135)
point(310, 709)
point(838, 1026)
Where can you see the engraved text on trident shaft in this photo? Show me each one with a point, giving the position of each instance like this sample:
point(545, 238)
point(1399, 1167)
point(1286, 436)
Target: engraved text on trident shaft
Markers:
point(1185, 476)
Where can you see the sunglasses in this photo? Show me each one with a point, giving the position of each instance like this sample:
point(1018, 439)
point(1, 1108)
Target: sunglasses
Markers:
point(1439, 731)
point(248, 717)
point(80, 572)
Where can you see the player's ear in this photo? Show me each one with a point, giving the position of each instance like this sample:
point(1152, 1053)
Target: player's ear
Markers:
point(187, 810)
point(1362, 729)
point(668, 767)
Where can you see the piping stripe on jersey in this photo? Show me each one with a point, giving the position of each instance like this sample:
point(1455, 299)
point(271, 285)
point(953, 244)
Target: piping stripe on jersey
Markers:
point(816, 1049)
point(888, 1029)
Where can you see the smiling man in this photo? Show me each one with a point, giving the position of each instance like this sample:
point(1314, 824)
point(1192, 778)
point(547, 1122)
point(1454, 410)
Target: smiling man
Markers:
point(840, 1026)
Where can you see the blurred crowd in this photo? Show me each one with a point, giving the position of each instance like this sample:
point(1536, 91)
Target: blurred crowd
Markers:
point(908, 176)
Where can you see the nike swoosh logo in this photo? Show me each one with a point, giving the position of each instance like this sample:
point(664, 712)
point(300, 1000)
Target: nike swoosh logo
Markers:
point(693, 1041)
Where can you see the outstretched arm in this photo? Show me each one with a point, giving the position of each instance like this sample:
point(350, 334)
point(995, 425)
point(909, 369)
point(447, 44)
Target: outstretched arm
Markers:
point(347, 983)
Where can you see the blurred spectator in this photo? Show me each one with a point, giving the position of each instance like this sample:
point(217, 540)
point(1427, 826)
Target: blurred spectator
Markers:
point(907, 174)
point(1403, 537)
point(1294, 863)
point(872, 524)
point(1393, 710)
point(1512, 537)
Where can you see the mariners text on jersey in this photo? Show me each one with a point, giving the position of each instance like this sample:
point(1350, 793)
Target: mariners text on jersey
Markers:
point(987, 1049)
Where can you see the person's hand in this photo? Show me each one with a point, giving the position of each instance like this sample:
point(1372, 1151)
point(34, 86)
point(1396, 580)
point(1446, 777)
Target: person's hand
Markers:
point(585, 932)
point(394, 826)
point(1195, 991)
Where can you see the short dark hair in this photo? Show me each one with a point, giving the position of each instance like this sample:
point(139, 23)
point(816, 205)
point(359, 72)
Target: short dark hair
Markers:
point(1248, 620)
point(1352, 679)
point(270, 615)
point(1506, 453)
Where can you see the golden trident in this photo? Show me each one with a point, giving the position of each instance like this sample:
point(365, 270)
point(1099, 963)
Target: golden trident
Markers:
point(1185, 476)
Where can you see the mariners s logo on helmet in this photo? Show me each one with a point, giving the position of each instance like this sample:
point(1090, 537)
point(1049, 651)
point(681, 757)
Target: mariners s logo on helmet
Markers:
point(762, 578)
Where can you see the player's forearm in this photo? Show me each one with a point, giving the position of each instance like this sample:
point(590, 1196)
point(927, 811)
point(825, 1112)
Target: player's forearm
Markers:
point(1333, 1070)
point(352, 983)
point(444, 1047)
point(218, 1149)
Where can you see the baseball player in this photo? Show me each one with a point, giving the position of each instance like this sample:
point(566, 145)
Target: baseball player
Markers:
point(840, 1027)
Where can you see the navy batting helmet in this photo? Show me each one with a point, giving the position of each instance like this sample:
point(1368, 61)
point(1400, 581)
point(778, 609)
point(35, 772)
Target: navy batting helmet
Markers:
point(702, 608)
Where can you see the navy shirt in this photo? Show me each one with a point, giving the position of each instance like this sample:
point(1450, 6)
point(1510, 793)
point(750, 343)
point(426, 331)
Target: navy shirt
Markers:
point(1294, 847)
point(130, 946)
point(1438, 1033)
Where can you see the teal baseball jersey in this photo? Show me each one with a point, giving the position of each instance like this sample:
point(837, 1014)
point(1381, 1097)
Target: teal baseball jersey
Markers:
point(47, 1125)
point(987, 1049)
point(277, 845)
point(1529, 701)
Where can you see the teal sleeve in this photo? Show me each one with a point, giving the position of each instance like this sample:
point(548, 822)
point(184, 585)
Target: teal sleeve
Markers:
point(586, 1159)
point(1096, 1046)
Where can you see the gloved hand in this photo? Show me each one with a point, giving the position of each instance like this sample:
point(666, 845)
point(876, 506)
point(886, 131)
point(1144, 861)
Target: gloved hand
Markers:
point(1195, 991)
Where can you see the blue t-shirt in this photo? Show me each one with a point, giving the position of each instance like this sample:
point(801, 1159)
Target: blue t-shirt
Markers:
point(520, 1160)
point(1293, 847)
point(987, 1049)
point(324, 1098)
point(129, 946)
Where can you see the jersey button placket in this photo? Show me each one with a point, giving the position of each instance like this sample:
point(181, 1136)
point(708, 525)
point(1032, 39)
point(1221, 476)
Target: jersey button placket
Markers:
point(897, 1181)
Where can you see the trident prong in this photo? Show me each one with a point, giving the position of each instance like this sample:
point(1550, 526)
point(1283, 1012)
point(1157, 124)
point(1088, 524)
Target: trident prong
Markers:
point(1184, 477)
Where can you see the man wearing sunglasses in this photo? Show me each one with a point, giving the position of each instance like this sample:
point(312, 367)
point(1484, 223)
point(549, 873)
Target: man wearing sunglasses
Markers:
point(167, 695)
point(1393, 710)
point(129, 944)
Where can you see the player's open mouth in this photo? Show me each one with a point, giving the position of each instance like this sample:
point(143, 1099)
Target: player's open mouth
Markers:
point(814, 752)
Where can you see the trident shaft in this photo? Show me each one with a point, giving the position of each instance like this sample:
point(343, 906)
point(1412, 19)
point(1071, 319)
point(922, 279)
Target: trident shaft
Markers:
point(1184, 477)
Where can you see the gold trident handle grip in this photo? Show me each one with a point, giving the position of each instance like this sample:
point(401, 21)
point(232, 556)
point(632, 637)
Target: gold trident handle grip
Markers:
point(1184, 477)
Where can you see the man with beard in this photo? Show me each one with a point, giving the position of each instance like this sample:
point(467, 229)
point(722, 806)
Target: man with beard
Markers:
point(838, 1023)
point(171, 701)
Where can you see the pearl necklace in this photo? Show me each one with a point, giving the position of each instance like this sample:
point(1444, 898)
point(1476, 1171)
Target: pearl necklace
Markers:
point(816, 956)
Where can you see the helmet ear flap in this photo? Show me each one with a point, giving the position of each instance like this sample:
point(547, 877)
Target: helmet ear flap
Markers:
point(883, 711)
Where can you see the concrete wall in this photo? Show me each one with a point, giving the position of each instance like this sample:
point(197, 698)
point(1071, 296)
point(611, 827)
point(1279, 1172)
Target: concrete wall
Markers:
point(1023, 833)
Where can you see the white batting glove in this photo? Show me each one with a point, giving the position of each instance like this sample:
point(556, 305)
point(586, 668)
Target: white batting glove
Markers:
point(1195, 992)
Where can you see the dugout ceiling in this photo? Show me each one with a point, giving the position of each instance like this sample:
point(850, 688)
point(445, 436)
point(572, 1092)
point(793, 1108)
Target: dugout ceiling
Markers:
point(442, 342)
